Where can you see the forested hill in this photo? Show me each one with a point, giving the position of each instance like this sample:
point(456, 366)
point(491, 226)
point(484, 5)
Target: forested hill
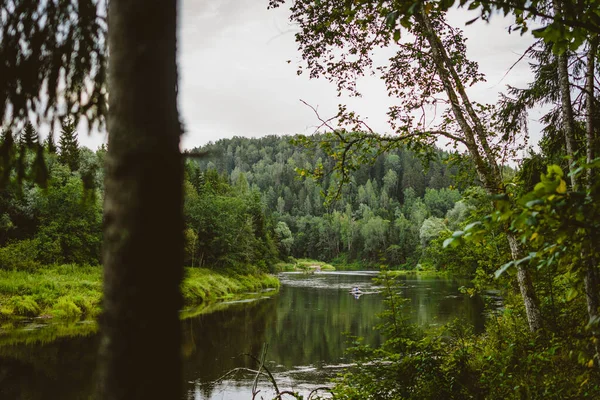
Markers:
point(387, 213)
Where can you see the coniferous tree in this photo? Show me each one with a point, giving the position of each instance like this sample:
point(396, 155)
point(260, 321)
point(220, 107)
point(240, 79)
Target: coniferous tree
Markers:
point(50, 145)
point(29, 136)
point(6, 155)
point(69, 146)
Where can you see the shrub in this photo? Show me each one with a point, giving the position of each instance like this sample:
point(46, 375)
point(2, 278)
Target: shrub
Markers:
point(66, 308)
point(20, 255)
point(24, 306)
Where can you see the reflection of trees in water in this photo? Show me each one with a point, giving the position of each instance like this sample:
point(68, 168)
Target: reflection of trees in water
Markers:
point(213, 343)
point(312, 321)
point(61, 369)
point(303, 326)
point(437, 301)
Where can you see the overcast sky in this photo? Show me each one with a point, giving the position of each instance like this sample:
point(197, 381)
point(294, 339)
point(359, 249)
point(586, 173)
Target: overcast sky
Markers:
point(235, 78)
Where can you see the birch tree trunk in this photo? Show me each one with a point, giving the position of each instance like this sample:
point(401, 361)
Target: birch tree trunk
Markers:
point(590, 280)
point(485, 163)
point(532, 308)
point(568, 121)
point(143, 235)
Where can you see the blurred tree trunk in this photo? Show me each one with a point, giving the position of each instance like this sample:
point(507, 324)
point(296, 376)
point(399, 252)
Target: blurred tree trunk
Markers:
point(143, 233)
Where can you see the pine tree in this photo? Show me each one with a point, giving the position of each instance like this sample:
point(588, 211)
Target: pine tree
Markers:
point(29, 136)
point(50, 145)
point(69, 146)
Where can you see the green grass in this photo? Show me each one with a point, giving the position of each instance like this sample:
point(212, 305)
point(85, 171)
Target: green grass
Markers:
point(202, 285)
point(304, 264)
point(65, 291)
point(419, 273)
point(70, 292)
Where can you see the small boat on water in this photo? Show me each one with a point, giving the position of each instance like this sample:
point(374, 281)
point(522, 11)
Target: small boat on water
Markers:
point(356, 290)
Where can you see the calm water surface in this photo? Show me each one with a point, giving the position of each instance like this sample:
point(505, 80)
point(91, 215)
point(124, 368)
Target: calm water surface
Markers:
point(304, 328)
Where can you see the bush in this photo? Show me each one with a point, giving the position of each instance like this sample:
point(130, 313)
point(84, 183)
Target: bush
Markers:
point(65, 307)
point(20, 255)
point(24, 306)
point(508, 361)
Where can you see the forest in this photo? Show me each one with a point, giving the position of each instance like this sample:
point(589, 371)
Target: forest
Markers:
point(452, 189)
point(245, 206)
point(387, 214)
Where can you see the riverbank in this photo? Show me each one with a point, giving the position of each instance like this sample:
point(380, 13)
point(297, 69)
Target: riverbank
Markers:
point(304, 265)
point(73, 291)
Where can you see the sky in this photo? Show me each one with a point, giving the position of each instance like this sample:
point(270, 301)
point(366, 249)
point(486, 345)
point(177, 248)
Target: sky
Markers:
point(235, 79)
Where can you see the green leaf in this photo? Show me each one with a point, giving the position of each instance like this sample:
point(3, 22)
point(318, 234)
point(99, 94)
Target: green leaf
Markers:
point(471, 21)
point(472, 225)
point(532, 203)
point(503, 269)
point(390, 20)
point(571, 294)
point(555, 170)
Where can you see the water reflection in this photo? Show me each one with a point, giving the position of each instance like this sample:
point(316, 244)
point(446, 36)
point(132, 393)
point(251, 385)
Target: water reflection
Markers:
point(41, 365)
point(303, 326)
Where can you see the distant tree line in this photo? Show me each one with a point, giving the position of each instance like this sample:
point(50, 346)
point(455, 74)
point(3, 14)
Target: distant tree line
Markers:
point(387, 213)
point(51, 210)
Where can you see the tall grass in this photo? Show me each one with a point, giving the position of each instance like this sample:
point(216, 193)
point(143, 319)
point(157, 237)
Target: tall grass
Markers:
point(75, 291)
point(65, 291)
point(202, 285)
point(304, 264)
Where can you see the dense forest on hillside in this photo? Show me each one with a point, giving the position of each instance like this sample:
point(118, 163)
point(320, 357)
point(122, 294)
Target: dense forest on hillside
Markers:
point(118, 224)
point(246, 206)
point(386, 214)
point(58, 220)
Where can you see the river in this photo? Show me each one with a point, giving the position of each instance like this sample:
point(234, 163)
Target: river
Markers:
point(303, 327)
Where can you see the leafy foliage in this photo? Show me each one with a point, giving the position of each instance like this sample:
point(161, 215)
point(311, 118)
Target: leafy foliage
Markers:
point(377, 218)
point(47, 43)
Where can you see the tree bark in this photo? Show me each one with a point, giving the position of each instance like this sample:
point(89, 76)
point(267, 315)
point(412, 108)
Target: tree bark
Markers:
point(568, 121)
point(590, 279)
point(532, 308)
point(590, 108)
point(143, 233)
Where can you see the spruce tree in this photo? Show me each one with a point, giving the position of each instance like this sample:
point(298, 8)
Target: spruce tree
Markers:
point(29, 136)
point(69, 146)
point(50, 145)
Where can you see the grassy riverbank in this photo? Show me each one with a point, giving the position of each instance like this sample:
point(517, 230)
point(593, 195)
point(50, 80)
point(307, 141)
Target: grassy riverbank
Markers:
point(73, 291)
point(304, 265)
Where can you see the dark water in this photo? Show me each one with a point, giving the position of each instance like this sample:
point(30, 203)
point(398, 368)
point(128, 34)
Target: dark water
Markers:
point(303, 327)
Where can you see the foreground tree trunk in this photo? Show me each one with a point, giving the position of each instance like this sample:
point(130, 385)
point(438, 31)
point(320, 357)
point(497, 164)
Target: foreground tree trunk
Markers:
point(143, 239)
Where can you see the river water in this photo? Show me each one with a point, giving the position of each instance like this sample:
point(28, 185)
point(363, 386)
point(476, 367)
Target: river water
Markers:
point(303, 328)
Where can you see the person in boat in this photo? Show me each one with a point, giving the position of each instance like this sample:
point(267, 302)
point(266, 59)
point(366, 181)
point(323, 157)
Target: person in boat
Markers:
point(355, 289)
